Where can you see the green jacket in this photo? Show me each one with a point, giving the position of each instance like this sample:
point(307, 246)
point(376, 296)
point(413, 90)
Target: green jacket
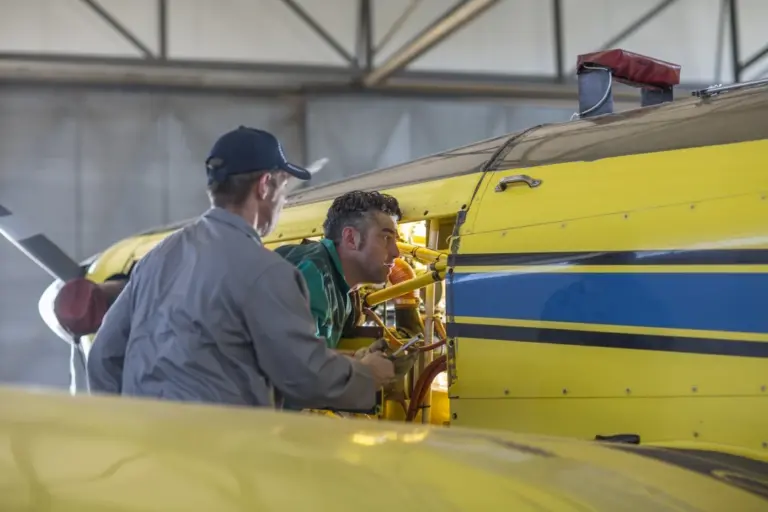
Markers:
point(329, 299)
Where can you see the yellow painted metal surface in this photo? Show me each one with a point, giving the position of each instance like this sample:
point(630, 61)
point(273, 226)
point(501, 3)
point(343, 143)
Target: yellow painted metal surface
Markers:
point(82, 454)
point(659, 202)
point(424, 200)
point(736, 221)
point(440, 407)
point(732, 424)
point(118, 258)
point(581, 190)
point(587, 391)
point(498, 369)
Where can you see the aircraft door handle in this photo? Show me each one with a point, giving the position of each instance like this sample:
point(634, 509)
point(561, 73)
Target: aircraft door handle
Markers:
point(517, 178)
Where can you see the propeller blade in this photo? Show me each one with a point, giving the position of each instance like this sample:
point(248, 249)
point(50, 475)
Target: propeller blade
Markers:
point(38, 247)
point(317, 165)
point(313, 168)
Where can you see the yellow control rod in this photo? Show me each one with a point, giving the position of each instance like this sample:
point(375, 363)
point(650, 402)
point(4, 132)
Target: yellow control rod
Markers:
point(436, 273)
point(422, 254)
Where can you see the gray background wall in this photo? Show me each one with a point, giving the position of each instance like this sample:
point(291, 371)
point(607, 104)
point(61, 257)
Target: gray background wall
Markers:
point(91, 167)
point(361, 134)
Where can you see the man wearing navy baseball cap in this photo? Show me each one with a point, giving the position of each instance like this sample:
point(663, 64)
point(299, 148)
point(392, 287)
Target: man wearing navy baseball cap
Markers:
point(247, 162)
point(211, 315)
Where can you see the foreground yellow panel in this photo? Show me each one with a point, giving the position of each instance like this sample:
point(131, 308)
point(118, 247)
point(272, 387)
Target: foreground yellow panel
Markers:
point(67, 454)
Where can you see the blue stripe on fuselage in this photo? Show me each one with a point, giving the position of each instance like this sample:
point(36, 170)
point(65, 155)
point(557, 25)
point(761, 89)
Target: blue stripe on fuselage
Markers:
point(706, 301)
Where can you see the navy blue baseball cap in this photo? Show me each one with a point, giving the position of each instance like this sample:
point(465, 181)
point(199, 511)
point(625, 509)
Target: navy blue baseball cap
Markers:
point(248, 150)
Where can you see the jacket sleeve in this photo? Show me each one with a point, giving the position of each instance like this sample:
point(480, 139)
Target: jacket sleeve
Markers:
point(107, 354)
point(297, 362)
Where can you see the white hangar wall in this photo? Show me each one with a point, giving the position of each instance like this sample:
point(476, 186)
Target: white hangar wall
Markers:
point(96, 143)
point(517, 36)
point(512, 36)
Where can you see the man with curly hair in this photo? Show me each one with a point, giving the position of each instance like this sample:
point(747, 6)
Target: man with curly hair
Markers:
point(359, 247)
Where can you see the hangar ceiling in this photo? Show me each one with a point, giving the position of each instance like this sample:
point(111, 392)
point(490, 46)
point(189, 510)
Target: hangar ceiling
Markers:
point(366, 57)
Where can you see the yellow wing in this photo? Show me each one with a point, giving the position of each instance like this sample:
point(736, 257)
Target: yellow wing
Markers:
point(62, 453)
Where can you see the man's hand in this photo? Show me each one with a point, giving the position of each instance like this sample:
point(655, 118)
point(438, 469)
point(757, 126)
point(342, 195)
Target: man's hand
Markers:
point(379, 345)
point(382, 369)
point(404, 363)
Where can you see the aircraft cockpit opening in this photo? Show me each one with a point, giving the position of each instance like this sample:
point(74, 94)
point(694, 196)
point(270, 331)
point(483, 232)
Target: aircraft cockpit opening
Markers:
point(411, 303)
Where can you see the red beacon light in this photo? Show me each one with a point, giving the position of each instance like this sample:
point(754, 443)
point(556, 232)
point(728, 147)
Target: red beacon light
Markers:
point(596, 71)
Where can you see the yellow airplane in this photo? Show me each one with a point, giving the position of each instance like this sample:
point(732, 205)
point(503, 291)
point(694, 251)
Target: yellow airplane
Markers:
point(602, 279)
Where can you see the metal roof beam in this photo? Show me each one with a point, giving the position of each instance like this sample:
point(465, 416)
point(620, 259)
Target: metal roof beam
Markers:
point(277, 79)
point(735, 39)
point(634, 27)
point(319, 30)
point(162, 28)
point(755, 58)
point(121, 29)
point(738, 66)
point(558, 29)
point(461, 14)
point(398, 24)
point(638, 24)
point(365, 51)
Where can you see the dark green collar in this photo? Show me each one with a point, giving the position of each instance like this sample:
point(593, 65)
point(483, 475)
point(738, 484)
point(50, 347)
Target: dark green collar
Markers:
point(331, 248)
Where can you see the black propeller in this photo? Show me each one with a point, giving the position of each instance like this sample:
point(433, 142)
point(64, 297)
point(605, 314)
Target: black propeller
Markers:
point(51, 258)
point(38, 247)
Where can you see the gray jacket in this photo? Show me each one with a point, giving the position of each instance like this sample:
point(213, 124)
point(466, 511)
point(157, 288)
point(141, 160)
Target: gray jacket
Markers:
point(210, 315)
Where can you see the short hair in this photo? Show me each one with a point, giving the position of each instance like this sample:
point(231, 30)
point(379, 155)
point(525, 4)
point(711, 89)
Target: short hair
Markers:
point(234, 190)
point(354, 209)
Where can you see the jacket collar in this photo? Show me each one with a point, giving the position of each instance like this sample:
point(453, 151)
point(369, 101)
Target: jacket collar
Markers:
point(331, 248)
point(224, 216)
